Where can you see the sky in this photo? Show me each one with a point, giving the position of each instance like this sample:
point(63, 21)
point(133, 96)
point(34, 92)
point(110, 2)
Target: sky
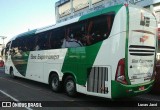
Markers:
point(18, 16)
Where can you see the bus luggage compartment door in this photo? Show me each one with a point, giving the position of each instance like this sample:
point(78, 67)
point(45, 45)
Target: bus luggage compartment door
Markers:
point(98, 78)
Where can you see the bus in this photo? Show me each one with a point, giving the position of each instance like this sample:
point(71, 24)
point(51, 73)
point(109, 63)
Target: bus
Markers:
point(3, 54)
point(158, 52)
point(107, 53)
point(156, 88)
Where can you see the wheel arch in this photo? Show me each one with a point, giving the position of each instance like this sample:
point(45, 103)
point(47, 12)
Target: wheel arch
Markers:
point(10, 69)
point(50, 74)
point(66, 74)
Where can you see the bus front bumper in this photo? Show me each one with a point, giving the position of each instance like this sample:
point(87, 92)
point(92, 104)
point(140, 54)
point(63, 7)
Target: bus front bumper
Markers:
point(120, 90)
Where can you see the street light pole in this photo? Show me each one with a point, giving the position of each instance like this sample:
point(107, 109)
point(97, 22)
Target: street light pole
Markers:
point(3, 37)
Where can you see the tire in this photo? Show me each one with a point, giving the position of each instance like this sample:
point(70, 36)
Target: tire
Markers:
point(55, 84)
point(70, 86)
point(12, 73)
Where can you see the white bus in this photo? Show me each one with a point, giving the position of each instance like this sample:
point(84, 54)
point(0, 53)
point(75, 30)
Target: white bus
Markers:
point(108, 53)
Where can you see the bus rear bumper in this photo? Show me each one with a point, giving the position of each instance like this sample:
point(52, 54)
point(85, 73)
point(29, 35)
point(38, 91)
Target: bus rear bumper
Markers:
point(120, 90)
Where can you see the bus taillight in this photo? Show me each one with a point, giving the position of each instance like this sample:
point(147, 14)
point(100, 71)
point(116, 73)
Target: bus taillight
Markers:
point(126, 4)
point(120, 73)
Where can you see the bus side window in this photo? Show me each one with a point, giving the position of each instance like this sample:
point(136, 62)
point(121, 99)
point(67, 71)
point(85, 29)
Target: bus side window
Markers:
point(59, 36)
point(46, 41)
point(7, 50)
point(73, 35)
point(31, 43)
point(38, 42)
point(13, 47)
point(55, 38)
point(51, 40)
point(24, 44)
point(28, 43)
point(19, 44)
point(41, 41)
point(98, 28)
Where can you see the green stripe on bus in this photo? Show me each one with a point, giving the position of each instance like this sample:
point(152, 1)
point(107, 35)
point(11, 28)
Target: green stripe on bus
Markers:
point(20, 62)
point(126, 49)
point(120, 90)
point(78, 61)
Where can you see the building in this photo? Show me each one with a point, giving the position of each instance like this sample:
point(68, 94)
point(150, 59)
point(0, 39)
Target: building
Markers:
point(68, 9)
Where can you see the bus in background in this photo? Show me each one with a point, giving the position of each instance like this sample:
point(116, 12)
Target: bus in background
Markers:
point(2, 60)
point(107, 53)
point(1, 63)
point(158, 52)
point(156, 88)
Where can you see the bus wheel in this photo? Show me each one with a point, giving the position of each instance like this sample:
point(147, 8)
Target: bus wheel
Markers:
point(55, 83)
point(70, 86)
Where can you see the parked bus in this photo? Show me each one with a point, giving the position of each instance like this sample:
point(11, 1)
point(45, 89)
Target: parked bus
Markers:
point(158, 52)
point(107, 53)
point(156, 88)
point(3, 54)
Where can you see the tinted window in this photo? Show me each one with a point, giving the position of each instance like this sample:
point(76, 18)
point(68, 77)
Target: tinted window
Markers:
point(55, 38)
point(7, 50)
point(83, 33)
point(98, 28)
point(89, 31)
point(73, 35)
point(22, 44)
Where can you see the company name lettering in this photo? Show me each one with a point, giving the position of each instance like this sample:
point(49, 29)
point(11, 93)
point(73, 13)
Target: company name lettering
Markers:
point(141, 61)
point(42, 57)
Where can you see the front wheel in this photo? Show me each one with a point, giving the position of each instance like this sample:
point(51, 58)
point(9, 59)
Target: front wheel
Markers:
point(70, 86)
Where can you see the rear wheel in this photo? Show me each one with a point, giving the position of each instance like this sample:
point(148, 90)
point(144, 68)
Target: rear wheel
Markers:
point(55, 83)
point(70, 86)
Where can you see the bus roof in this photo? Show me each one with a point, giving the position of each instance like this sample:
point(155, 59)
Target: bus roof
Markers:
point(39, 30)
point(89, 15)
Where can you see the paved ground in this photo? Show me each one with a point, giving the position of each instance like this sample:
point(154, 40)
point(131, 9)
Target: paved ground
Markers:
point(22, 90)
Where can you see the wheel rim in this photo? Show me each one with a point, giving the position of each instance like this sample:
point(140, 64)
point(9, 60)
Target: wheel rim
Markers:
point(70, 86)
point(55, 83)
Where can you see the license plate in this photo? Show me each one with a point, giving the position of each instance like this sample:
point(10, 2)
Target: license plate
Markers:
point(141, 88)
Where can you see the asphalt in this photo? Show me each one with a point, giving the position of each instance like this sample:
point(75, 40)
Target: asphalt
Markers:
point(30, 91)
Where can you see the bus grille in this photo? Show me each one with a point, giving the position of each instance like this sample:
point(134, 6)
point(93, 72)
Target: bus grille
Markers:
point(137, 50)
point(96, 80)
